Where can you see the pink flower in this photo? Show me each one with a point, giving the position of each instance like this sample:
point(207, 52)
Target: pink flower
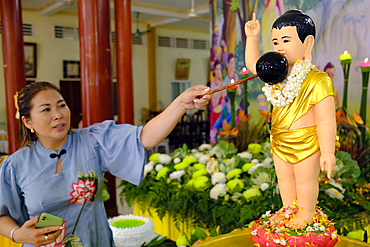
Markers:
point(82, 191)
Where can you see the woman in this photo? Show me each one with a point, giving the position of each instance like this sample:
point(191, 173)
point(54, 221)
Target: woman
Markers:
point(218, 99)
point(61, 171)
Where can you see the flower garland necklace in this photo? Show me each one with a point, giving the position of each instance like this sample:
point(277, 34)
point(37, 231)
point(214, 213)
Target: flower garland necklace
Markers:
point(283, 93)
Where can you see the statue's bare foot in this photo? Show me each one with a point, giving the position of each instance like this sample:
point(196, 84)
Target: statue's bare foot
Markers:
point(300, 221)
point(284, 213)
point(278, 216)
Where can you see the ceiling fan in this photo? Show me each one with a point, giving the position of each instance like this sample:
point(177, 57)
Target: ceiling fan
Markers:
point(192, 13)
point(139, 33)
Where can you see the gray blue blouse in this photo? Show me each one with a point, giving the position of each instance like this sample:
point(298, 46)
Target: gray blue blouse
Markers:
point(29, 185)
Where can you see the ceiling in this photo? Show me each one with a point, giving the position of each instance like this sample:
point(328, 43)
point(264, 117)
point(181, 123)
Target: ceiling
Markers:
point(169, 13)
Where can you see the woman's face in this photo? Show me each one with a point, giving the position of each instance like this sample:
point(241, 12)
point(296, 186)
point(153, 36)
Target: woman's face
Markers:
point(215, 39)
point(50, 118)
point(231, 69)
point(218, 71)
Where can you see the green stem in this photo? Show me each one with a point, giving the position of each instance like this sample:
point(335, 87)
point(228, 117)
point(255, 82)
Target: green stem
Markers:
point(365, 81)
point(232, 93)
point(74, 228)
point(245, 102)
point(346, 66)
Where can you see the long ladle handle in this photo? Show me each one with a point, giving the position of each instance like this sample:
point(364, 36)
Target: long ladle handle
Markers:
point(210, 92)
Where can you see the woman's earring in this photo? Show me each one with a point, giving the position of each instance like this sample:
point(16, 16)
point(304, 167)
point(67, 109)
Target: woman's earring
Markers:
point(32, 131)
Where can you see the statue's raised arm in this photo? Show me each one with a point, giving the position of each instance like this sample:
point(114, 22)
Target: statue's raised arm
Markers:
point(252, 52)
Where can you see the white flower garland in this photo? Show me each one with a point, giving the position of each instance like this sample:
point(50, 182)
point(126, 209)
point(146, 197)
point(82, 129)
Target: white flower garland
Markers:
point(283, 93)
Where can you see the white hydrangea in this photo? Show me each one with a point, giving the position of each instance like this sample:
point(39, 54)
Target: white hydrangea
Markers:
point(164, 158)
point(253, 168)
point(211, 166)
point(158, 167)
point(218, 177)
point(177, 174)
point(254, 161)
point(197, 155)
point(217, 190)
point(264, 186)
point(267, 163)
point(203, 159)
point(333, 193)
point(176, 160)
point(245, 155)
point(205, 147)
point(148, 167)
point(337, 185)
point(151, 163)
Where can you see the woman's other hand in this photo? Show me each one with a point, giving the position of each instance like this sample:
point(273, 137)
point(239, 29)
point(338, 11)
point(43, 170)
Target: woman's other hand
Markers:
point(29, 234)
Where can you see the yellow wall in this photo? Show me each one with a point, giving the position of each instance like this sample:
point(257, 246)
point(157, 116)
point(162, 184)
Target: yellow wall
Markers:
point(51, 52)
point(166, 63)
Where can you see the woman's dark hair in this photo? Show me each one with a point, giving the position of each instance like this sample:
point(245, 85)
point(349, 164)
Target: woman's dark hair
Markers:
point(328, 66)
point(25, 97)
point(214, 66)
point(296, 18)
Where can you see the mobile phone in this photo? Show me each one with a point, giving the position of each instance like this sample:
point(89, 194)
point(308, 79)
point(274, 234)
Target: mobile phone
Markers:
point(49, 220)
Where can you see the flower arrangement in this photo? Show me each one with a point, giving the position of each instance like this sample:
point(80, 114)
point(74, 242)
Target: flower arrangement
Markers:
point(218, 186)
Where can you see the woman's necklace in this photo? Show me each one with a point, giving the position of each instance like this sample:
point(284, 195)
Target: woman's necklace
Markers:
point(283, 93)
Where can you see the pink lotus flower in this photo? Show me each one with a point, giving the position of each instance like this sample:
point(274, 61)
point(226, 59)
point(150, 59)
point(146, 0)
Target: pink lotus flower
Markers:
point(82, 191)
point(321, 239)
point(297, 241)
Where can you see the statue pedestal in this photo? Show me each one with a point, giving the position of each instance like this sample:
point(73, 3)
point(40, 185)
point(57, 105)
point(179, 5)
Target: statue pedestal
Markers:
point(243, 238)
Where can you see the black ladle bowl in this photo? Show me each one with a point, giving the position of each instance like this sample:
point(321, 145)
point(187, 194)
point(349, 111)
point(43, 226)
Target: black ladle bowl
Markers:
point(272, 67)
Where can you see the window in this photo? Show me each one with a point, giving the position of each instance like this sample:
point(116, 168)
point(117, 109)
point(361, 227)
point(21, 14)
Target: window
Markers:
point(177, 87)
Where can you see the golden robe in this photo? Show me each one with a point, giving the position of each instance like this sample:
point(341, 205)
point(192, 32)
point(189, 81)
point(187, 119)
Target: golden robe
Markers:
point(295, 145)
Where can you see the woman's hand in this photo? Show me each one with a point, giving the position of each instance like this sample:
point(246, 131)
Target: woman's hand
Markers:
point(252, 28)
point(195, 97)
point(28, 234)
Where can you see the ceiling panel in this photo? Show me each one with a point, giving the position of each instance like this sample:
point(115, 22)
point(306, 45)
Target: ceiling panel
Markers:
point(151, 11)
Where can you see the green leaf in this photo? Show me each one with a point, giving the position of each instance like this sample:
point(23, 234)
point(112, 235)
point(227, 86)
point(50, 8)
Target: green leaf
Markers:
point(214, 232)
point(155, 242)
point(197, 234)
point(234, 5)
point(105, 193)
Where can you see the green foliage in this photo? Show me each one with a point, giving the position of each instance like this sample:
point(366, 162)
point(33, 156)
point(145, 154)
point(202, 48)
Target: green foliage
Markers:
point(199, 234)
point(231, 210)
point(159, 241)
